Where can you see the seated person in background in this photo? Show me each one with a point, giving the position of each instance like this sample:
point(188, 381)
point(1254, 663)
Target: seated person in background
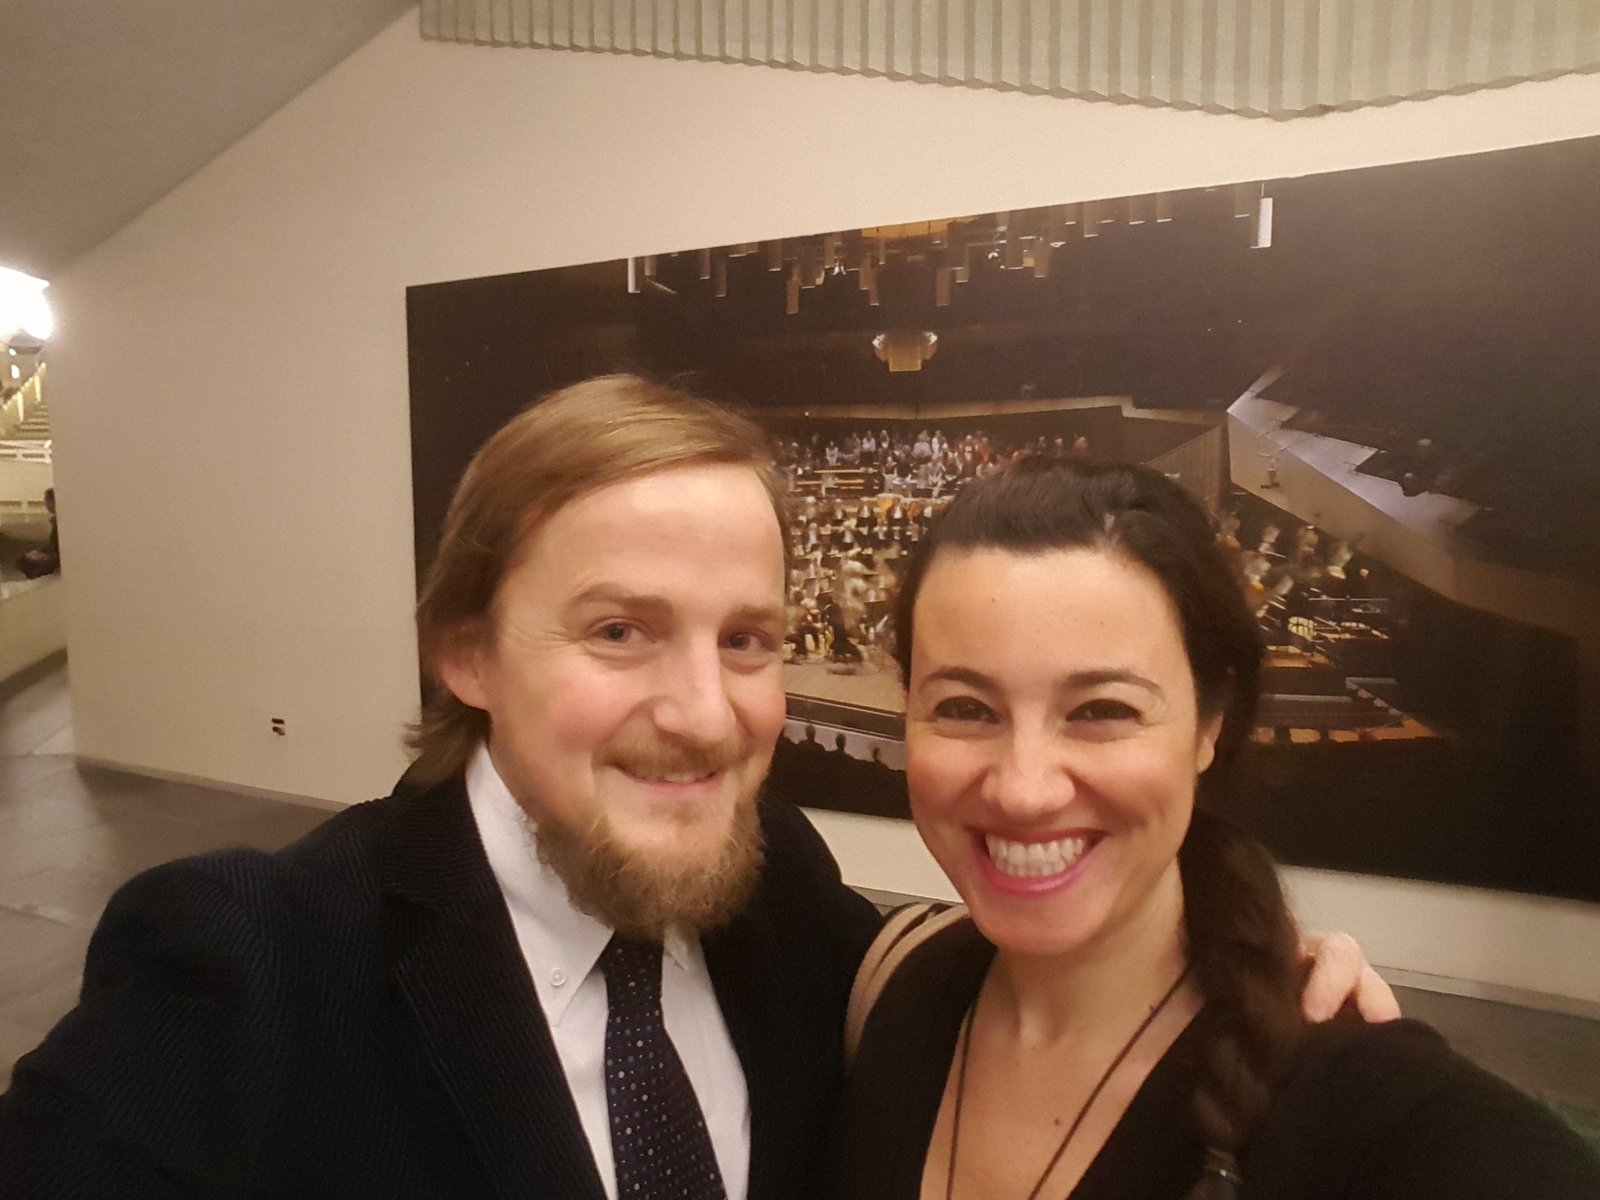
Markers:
point(46, 559)
point(1114, 1014)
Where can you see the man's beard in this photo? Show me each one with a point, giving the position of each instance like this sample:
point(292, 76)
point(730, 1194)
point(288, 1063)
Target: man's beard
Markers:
point(641, 896)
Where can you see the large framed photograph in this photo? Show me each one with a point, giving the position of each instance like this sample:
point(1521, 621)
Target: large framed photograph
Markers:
point(1384, 383)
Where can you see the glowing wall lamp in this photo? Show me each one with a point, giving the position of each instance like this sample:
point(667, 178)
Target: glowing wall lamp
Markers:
point(23, 307)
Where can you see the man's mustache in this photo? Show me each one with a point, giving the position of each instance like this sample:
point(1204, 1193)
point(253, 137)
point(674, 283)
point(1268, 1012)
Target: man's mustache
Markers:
point(653, 759)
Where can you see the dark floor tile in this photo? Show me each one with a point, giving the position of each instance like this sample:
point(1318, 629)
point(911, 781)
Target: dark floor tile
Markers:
point(27, 854)
point(67, 895)
point(15, 1041)
point(68, 871)
point(268, 830)
point(1552, 1055)
point(41, 801)
point(122, 848)
point(44, 964)
point(34, 715)
point(47, 692)
point(20, 773)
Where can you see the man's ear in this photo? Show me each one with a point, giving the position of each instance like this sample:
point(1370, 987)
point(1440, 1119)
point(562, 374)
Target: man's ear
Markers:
point(1205, 749)
point(460, 666)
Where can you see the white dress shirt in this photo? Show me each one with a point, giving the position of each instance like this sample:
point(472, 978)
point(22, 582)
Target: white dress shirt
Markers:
point(562, 947)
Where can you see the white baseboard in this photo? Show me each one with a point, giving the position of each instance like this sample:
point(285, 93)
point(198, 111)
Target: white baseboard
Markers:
point(237, 789)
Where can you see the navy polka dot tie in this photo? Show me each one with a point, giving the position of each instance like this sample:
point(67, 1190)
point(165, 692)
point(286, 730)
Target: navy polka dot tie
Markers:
point(658, 1133)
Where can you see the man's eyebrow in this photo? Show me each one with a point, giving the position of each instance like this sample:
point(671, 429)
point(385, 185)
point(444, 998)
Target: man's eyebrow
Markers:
point(622, 597)
point(759, 614)
point(633, 601)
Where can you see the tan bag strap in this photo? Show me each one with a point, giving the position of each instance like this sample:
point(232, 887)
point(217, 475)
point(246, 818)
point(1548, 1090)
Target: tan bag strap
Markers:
point(905, 930)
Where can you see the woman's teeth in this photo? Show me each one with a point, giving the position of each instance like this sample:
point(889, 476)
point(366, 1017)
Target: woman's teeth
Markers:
point(1034, 858)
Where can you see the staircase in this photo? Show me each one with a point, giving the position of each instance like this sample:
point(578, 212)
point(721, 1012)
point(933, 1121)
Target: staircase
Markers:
point(35, 427)
point(25, 423)
point(25, 468)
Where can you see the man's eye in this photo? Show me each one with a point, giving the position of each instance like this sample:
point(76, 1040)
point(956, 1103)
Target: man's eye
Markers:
point(962, 708)
point(616, 632)
point(748, 641)
point(1105, 710)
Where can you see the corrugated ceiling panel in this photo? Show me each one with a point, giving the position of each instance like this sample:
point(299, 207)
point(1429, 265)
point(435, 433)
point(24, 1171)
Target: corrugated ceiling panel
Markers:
point(1278, 58)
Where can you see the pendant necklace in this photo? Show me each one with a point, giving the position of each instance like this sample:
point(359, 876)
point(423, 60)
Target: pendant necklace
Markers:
point(1094, 1094)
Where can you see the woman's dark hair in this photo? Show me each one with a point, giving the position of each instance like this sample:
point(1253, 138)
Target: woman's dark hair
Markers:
point(1241, 941)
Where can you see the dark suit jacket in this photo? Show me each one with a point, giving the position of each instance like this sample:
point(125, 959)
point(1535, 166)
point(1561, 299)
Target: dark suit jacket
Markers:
point(352, 1017)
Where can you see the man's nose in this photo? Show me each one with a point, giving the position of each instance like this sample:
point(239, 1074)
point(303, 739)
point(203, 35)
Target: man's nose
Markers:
point(1031, 775)
point(694, 703)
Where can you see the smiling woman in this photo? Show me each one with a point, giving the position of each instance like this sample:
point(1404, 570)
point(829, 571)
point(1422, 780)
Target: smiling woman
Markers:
point(1052, 742)
point(1116, 1013)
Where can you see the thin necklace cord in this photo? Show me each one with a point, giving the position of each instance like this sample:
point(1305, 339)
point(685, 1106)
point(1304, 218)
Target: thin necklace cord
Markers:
point(1094, 1094)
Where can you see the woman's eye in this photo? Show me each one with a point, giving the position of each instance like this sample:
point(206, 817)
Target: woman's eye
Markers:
point(1105, 710)
point(962, 708)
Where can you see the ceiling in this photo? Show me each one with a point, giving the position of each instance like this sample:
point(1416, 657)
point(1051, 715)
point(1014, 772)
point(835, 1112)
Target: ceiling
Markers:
point(109, 104)
point(106, 105)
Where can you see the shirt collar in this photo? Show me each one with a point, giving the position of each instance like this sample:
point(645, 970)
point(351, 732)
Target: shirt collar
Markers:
point(560, 942)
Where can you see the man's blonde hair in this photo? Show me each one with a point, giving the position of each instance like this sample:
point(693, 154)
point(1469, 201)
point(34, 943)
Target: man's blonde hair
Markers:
point(577, 440)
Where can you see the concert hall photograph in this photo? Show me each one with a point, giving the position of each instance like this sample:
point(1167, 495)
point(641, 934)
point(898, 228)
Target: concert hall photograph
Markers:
point(1384, 385)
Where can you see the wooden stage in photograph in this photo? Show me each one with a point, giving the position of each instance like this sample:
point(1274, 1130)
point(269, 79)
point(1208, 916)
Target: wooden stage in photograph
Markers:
point(870, 687)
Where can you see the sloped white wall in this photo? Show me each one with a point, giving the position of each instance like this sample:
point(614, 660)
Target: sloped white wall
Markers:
point(229, 382)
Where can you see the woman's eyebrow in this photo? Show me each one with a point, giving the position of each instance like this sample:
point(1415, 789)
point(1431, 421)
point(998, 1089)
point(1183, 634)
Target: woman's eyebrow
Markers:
point(1075, 681)
point(963, 675)
point(1094, 678)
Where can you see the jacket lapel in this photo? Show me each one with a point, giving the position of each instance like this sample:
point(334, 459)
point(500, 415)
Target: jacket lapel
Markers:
point(746, 969)
point(466, 985)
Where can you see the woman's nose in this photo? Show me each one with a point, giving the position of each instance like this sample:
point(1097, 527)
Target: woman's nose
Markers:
point(1031, 777)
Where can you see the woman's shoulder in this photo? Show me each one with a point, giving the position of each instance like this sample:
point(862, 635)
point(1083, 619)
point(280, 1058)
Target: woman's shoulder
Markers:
point(931, 944)
point(923, 966)
point(1390, 1110)
point(905, 1016)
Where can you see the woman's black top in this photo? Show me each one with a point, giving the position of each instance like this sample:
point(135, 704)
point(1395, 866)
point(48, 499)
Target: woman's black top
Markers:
point(1377, 1112)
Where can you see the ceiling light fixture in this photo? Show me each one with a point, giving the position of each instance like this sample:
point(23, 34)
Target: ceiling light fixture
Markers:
point(1261, 223)
point(23, 307)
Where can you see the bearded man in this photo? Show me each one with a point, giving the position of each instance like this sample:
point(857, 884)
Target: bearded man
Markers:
point(412, 1000)
point(575, 954)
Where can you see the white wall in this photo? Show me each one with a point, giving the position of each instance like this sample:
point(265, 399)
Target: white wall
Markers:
point(22, 486)
point(229, 382)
